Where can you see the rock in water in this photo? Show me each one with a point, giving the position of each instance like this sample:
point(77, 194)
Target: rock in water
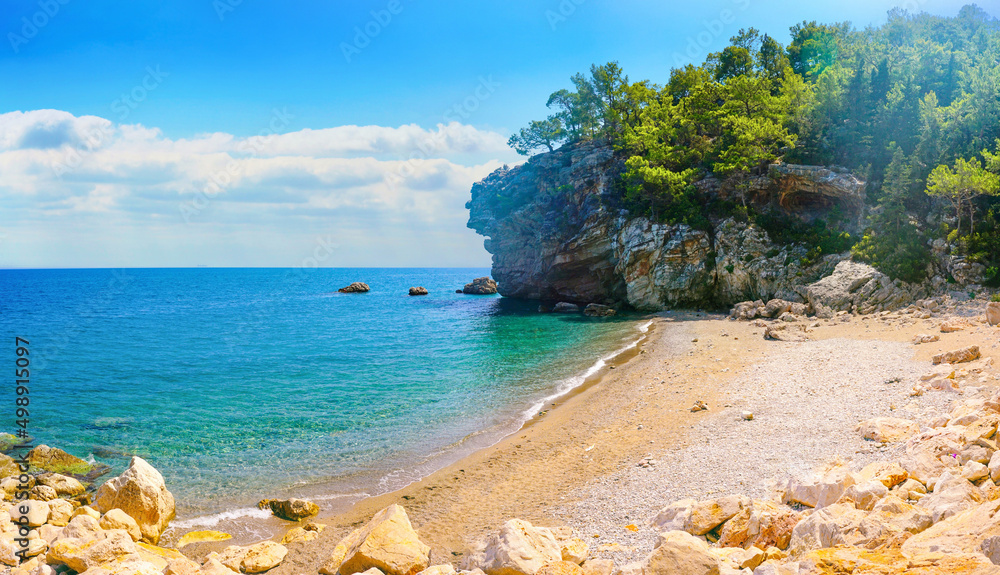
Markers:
point(418, 290)
point(356, 287)
point(598, 310)
point(481, 286)
point(141, 493)
point(290, 509)
point(57, 460)
point(564, 307)
point(387, 542)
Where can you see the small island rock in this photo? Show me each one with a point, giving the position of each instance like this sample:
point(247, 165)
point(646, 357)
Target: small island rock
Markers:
point(290, 509)
point(481, 286)
point(564, 307)
point(598, 310)
point(356, 287)
point(418, 290)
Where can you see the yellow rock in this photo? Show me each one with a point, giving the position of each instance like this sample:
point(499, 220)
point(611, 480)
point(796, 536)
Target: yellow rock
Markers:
point(560, 568)
point(158, 556)
point(202, 536)
point(387, 542)
point(887, 429)
point(575, 550)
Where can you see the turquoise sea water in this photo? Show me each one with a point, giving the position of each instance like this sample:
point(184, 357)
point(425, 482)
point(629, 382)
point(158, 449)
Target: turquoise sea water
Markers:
point(240, 384)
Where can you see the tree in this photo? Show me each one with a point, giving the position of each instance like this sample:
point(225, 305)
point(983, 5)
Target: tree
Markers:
point(961, 185)
point(540, 133)
point(813, 48)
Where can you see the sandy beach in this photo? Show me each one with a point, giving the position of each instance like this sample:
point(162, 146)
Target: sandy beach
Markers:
point(576, 464)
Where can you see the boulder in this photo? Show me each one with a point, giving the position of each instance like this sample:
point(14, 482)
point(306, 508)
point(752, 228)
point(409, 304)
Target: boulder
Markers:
point(786, 332)
point(43, 493)
point(857, 287)
point(952, 326)
point(81, 527)
point(993, 313)
point(907, 517)
point(418, 290)
point(965, 354)
point(62, 484)
point(951, 496)
point(355, 287)
point(598, 567)
point(307, 532)
point(518, 549)
point(290, 509)
point(387, 542)
point(574, 550)
point(925, 338)
point(202, 536)
point(841, 524)
point(864, 495)
point(888, 473)
point(118, 519)
point(105, 547)
point(36, 512)
point(763, 524)
point(677, 552)
point(974, 530)
point(776, 307)
point(887, 429)
point(818, 490)
point(141, 493)
point(707, 515)
point(746, 310)
point(60, 512)
point(57, 460)
point(598, 310)
point(481, 286)
point(560, 568)
point(263, 556)
point(564, 307)
point(446, 569)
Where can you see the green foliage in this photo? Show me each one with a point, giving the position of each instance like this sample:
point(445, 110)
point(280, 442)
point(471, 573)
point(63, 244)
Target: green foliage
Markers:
point(540, 133)
point(817, 236)
point(995, 297)
point(660, 193)
point(961, 185)
point(900, 254)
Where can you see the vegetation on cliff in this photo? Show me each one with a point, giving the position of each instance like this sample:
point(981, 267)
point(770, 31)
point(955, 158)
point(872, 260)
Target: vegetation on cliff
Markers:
point(913, 106)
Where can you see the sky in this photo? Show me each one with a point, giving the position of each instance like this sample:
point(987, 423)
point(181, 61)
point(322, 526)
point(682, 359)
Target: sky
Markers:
point(341, 133)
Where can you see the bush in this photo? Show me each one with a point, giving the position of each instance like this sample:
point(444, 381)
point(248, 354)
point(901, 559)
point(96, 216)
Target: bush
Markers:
point(900, 255)
point(995, 297)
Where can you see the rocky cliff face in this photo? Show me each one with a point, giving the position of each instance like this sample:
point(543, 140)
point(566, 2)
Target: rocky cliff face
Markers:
point(553, 236)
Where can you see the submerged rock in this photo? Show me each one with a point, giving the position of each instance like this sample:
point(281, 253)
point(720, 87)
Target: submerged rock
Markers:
point(356, 287)
point(57, 460)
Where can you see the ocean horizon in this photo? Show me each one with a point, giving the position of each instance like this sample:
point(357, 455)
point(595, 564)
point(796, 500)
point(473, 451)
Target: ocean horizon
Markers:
point(240, 384)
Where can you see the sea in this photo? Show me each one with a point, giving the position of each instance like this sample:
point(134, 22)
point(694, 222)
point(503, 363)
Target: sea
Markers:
point(243, 384)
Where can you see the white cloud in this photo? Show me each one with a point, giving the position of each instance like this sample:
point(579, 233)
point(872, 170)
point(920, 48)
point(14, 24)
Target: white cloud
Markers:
point(60, 172)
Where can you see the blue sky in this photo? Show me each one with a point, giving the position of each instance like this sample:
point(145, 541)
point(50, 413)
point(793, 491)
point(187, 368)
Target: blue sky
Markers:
point(243, 133)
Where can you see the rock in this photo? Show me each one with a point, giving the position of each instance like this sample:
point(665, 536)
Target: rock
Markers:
point(63, 485)
point(118, 519)
point(974, 471)
point(43, 493)
point(81, 527)
point(263, 556)
point(952, 326)
point(857, 287)
point(818, 490)
point(560, 568)
point(763, 524)
point(864, 495)
point(105, 547)
point(707, 515)
point(574, 550)
point(60, 512)
point(677, 552)
point(753, 557)
point(86, 510)
point(903, 515)
point(418, 290)
point(387, 542)
point(965, 354)
point(776, 307)
point(290, 509)
point(746, 415)
point(182, 567)
point(446, 569)
point(202, 536)
point(481, 286)
point(307, 532)
point(598, 567)
point(519, 549)
point(36, 512)
point(564, 307)
point(355, 287)
point(785, 332)
point(839, 524)
point(924, 338)
point(994, 467)
point(993, 313)
point(966, 532)
point(747, 310)
point(887, 429)
point(57, 460)
point(159, 557)
point(675, 516)
point(699, 406)
point(141, 493)
point(598, 310)
point(951, 496)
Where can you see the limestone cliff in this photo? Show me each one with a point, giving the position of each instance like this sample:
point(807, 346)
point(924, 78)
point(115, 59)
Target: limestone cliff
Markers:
point(556, 234)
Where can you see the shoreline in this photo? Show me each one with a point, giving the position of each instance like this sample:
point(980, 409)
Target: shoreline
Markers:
point(251, 524)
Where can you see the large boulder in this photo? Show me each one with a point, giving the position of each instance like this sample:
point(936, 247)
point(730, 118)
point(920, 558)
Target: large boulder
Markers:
point(519, 549)
point(290, 509)
point(858, 287)
point(118, 519)
point(887, 429)
point(355, 287)
point(62, 484)
point(387, 542)
point(762, 524)
point(975, 530)
point(679, 552)
point(481, 286)
point(952, 495)
point(819, 489)
point(699, 517)
point(141, 493)
point(80, 555)
point(57, 460)
point(963, 355)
